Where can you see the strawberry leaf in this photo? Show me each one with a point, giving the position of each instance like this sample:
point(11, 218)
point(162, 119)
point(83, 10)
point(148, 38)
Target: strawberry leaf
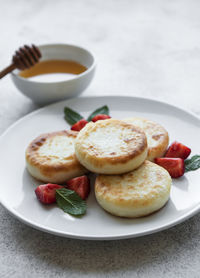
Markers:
point(101, 110)
point(192, 164)
point(70, 202)
point(72, 116)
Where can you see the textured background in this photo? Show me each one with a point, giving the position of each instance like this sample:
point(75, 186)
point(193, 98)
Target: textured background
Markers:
point(144, 48)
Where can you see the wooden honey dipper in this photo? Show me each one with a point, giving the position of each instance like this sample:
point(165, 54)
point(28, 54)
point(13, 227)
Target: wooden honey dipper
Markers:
point(24, 58)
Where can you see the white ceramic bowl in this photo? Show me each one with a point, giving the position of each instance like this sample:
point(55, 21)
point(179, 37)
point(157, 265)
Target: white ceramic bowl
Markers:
point(43, 92)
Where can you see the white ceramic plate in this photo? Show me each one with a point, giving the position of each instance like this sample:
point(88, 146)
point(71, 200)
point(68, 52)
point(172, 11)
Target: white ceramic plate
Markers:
point(17, 186)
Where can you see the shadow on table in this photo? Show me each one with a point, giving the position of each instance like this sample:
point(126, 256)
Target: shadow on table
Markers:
point(104, 257)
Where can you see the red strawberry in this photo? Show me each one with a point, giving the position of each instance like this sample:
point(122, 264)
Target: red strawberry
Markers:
point(178, 150)
point(100, 117)
point(81, 185)
point(175, 166)
point(79, 125)
point(46, 193)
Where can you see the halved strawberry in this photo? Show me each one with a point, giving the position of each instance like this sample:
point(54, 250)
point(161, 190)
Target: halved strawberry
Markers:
point(175, 166)
point(100, 117)
point(81, 185)
point(46, 193)
point(79, 125)
point(178, 150)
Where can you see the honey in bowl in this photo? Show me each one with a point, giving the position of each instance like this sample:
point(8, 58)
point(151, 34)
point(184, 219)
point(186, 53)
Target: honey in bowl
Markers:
point(53, 71)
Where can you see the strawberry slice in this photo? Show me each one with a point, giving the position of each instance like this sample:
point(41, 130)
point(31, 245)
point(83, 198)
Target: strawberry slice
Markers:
point(79, 125)
point(178, 150)
point(175, 166)
point(100, 117)
point(46, 193)
point(81, 185)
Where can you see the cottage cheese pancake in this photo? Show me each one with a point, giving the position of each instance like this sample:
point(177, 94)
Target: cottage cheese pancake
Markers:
point(111, 147)
point(51, 157)
point(134, 194)
point(157, 136)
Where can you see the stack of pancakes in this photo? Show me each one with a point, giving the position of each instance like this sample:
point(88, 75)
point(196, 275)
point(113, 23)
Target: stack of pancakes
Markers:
point(128, 184)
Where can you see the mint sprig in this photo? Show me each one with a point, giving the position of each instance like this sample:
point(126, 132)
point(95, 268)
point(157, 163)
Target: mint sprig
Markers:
point(72, 116)
point(69, 201)
point(192, 164)
point(101, 110)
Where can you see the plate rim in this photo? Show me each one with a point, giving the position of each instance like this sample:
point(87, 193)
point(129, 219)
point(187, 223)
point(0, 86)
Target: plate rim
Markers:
point(73, 235)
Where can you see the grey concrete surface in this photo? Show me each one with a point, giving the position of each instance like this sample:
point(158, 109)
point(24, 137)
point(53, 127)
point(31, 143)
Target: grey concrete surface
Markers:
point(144, 48)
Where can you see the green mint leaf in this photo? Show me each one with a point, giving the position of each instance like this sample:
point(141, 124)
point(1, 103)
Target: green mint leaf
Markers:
point(72, 116)
point(192, 164)
point(69, 201)
point(102, 110)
